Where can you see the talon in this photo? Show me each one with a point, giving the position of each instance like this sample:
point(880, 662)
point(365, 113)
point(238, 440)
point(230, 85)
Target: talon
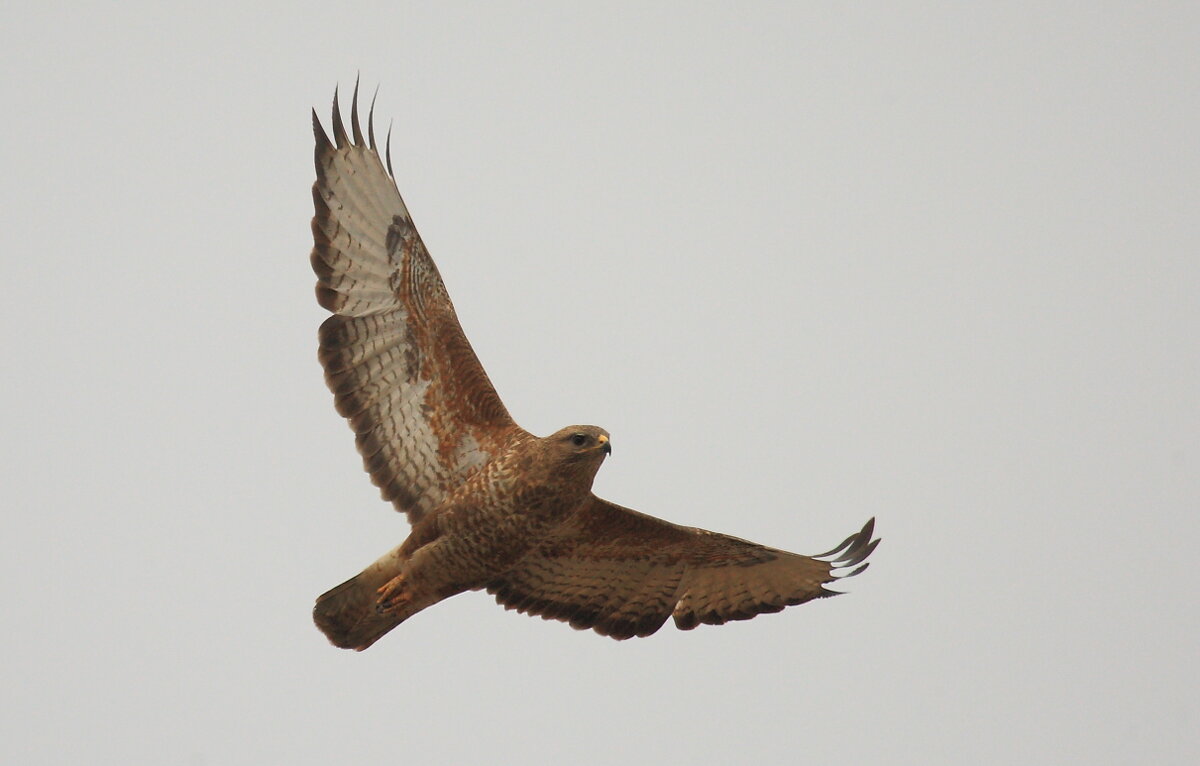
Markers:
point(392, 595)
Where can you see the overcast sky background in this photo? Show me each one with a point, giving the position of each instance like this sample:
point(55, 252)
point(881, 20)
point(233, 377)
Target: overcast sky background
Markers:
point(937, 263)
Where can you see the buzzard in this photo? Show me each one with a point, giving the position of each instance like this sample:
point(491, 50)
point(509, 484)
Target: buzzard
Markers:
point(492, 506)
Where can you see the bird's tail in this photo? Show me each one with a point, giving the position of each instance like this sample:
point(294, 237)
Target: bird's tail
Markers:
point(350, 615)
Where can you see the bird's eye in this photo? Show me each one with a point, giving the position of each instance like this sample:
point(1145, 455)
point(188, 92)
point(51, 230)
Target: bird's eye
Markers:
point(578, 440)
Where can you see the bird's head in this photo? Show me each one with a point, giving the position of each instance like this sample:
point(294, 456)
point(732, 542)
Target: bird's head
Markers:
point(580, 448)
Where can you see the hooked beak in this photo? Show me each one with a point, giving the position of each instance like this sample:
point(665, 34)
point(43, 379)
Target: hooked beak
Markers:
point(605, 444)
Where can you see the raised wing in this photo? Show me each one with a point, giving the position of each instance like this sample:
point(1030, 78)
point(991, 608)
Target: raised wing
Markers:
point(400, 368)
point(623, 573)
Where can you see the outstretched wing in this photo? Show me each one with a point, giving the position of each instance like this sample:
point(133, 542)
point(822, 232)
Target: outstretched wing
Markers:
point(623, 573)
point(400, 368)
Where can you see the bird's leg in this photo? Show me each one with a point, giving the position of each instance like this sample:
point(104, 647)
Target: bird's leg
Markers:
point(393, 595)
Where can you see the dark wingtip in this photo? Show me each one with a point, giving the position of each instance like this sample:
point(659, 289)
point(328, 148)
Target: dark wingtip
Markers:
point(858, 550)
point(853, 550)
point(319, 132)
point(322, 149)
point(838, 548)
point(854, 557)
point(388, 152)
point(371, 120)
point(859, 570)
point(339, 128)
point(358, 136)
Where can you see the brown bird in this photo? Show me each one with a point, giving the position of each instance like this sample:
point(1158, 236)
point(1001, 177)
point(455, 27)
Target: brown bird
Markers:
point(493, 506)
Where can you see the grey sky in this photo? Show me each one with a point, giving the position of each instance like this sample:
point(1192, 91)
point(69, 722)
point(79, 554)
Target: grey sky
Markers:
point(809, 263)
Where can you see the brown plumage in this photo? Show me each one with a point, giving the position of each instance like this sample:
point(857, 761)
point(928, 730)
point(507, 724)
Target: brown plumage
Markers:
point(493, 506)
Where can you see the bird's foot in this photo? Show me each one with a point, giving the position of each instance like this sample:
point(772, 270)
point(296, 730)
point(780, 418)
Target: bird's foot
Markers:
point(393, 595)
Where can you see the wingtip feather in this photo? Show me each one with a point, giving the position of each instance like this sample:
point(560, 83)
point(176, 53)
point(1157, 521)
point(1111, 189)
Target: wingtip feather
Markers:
point(354, 126)
point(319, 133)
point(339, 128)
point(388, 152)
point(371, 121)
point(853, 550)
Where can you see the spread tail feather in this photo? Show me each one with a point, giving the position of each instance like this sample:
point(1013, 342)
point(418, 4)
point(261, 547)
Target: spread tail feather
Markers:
point(350, 615)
